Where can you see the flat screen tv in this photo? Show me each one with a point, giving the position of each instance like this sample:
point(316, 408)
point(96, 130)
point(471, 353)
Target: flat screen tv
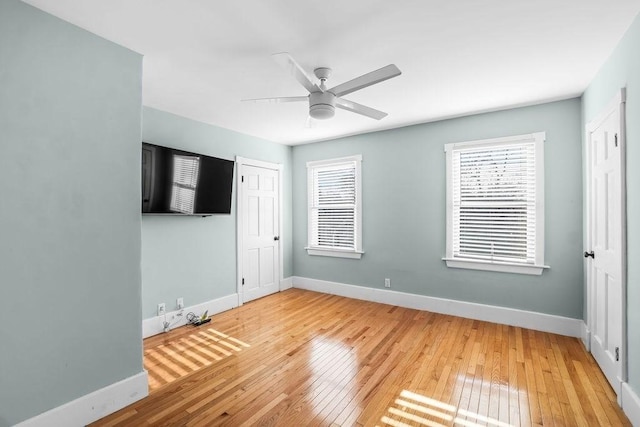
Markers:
point(177, 182)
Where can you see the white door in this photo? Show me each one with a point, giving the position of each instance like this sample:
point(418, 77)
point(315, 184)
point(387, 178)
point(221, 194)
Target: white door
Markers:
point(605, 255)
point(259, 221)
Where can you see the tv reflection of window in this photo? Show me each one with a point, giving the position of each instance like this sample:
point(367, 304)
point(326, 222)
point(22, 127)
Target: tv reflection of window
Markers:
point(185, 182)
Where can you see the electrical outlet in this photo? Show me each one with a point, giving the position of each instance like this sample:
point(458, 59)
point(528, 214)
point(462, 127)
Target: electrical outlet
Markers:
point(180, 303)
point(161, 309)
point(387, 283)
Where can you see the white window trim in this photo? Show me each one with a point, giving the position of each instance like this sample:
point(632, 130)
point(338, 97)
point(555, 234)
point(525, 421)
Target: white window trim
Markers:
point(506, 267)
point(338, 253)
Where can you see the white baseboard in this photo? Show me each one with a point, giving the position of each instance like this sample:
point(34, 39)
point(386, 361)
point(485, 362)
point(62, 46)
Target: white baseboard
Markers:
point(286, 283)
point(631, 404)
point(507, 316)
point(93, 406)
point(155, 325)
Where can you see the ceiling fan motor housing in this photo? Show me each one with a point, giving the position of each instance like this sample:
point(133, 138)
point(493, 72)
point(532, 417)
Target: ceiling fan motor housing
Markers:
point(322, 105)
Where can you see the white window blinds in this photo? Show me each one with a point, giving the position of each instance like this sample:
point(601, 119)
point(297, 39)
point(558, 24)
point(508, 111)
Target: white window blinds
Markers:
point(185, 180)
point(495, 201)
point(334, 205)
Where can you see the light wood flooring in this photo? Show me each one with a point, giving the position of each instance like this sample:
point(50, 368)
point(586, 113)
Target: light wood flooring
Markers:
point(301, 358)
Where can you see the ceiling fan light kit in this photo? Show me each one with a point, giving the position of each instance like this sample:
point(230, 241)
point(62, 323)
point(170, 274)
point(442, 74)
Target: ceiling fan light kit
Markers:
point(322, 105)
point(323, 101)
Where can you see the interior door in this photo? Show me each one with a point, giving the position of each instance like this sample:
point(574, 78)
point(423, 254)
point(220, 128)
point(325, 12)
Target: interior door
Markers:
point(606, 271)
point(260, 270)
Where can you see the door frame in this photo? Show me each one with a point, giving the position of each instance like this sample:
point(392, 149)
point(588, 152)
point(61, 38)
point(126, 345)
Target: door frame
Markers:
point(240, 163)
point(618, 102)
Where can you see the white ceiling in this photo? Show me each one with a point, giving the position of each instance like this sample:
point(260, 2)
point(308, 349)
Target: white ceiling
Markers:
point(201, 57)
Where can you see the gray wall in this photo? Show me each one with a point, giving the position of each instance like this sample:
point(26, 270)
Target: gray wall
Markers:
point(194, 257)
point(623, 69)
point(403, 175)
point(69, 212)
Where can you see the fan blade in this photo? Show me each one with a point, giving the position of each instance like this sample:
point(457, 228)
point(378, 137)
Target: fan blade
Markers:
point(377, 76)
point(278, 100)
point(292, 67)
point(360, 109)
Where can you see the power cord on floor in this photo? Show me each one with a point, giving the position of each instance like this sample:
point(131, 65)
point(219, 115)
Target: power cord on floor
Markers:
point(191, 317)
point(194, 320)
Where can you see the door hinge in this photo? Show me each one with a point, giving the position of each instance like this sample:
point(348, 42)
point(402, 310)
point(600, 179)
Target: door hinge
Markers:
point(242, 178)
point(615, 138)
point(243, 280)
point(617, 354)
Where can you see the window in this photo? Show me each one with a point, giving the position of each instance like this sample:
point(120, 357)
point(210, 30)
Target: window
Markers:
point(495, 204)
point(334, 212)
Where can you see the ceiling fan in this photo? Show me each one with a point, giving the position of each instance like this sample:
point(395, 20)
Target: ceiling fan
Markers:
point(323, 101)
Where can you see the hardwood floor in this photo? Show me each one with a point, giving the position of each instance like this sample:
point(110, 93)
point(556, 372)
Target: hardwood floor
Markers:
point(303, 358)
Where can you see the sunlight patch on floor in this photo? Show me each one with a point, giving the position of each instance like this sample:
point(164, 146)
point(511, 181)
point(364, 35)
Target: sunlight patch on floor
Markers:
point(168, 362)
point(415, 409)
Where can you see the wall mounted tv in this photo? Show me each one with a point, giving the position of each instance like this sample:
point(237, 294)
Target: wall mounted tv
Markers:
point(177, 182)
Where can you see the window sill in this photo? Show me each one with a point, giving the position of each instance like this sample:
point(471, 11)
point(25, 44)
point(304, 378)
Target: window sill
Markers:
point(334, 253)
point(502, 267)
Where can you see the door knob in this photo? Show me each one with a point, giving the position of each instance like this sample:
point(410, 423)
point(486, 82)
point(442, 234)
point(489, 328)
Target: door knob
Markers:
point(589, 254)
